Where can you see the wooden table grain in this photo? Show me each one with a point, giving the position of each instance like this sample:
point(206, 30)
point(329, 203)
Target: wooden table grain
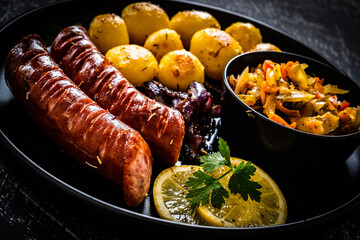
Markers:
point(330, 27)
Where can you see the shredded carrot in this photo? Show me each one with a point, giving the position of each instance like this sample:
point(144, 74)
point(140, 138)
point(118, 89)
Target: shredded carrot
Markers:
point(344, 104)
point(284, 68)
point(250, 84)
point(293, 113)
point(267, 64)
point(260, 72)
point(280, 120)
point(318, 87)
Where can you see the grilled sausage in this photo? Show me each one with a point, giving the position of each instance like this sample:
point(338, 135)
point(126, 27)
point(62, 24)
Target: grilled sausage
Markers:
point(87, 132)
point(161, 126)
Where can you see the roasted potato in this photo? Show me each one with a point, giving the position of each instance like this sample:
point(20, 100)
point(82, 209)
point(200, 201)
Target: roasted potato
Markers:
point(186, 23)
point(142, 19)
point(179, 68)
point(163, 41)
point(214, 48)
point(264, 47)
point(245, 33)
point(107, 31)
point(136, 63)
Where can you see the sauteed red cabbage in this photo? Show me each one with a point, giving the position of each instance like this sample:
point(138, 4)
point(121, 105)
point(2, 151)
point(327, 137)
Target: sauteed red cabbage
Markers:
point(201, 115)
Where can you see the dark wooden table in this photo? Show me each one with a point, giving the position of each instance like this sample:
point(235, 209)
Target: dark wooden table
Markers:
point(330, 27)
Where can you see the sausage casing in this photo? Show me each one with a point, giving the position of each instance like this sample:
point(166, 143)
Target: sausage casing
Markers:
point(87, 132)
point(161, 126)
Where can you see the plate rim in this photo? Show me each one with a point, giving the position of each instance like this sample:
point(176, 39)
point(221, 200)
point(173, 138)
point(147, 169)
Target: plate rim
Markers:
point(312, 222)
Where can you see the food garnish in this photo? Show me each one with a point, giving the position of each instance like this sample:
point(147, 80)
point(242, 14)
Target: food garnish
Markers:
point(238, 212)
point(205, 188)
point(291, 97)
point(266, 206)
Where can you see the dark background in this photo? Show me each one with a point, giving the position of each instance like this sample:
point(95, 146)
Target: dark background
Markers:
point(330, 27)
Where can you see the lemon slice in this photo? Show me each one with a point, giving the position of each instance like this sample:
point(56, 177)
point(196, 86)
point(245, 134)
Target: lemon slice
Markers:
point(169, 194)
point(236, 212)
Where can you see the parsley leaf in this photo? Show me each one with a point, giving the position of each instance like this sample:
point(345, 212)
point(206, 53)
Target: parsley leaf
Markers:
point(205, 188)
point(204, 184)
point(225, 151)
point(212, 162)
point(240, 182)
point(219, 193)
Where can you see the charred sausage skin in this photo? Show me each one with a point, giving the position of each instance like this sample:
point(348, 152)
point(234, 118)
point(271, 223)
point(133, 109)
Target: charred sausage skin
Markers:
point(87, 132)
point(161, 126)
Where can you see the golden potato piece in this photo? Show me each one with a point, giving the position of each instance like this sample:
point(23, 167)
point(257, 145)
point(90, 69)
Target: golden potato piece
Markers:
point(188, 22)
point(163, 41)
point(264, 47)
point(179, 68)
point(142, 19)
point(107, 31)
point(214, 48)
point(136, 63)
point(245, 33)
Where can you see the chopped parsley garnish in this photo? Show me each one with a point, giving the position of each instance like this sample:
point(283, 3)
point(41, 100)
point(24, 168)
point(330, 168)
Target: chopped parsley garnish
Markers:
point(205, 188)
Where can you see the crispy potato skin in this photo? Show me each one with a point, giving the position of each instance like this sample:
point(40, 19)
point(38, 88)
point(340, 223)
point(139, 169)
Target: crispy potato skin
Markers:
point(163, 41)
point(107, 31)
point(142, 19)
point(214, 48)
point(179, 68)
point(87, 132)
point(188, 22)
point(246, 34)
point(136, 63)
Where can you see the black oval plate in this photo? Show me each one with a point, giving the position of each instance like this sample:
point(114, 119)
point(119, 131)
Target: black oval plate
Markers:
point(311, 204)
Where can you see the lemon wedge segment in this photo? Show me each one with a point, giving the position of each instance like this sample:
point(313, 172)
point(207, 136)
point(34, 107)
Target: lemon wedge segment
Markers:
point(169, 194)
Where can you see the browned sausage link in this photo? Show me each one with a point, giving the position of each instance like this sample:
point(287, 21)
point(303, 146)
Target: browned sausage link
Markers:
point(161, 126)
point(84, 130)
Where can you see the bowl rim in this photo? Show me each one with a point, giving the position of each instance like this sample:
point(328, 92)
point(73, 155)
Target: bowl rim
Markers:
point(263, 117)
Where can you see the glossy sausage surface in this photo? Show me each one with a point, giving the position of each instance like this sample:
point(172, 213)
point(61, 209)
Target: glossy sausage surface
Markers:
point(87, 132)
point(161, 126)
